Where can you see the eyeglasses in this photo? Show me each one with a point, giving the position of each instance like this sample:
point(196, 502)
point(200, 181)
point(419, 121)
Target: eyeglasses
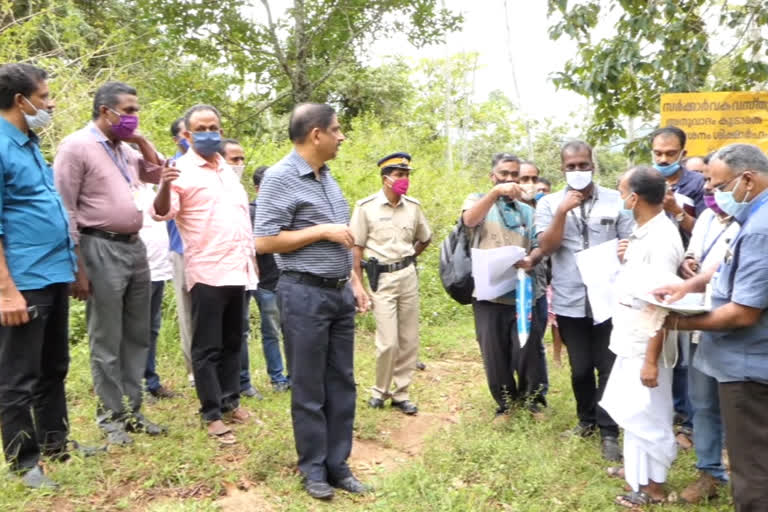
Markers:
point(721, 187)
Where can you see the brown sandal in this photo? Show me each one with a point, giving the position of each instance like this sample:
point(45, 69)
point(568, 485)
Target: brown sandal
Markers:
point(222, 433)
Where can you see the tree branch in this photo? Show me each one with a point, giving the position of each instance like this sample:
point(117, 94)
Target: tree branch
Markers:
point(279, 54)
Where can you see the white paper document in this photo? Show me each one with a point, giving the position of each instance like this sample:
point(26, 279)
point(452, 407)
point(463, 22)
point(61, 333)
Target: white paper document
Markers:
point(599, 266)
point(691, 304)
point(494, 270)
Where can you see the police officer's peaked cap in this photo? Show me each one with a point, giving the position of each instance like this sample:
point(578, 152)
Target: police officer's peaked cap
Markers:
point(396, 160)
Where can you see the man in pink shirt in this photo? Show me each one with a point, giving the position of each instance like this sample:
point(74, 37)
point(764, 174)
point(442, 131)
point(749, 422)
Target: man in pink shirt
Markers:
point(98, 176)
point(205, 197)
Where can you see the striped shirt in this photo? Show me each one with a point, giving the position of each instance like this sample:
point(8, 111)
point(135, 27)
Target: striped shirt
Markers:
point(291, 199)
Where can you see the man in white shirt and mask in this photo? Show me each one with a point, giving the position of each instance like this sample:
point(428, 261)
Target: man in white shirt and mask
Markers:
point(581, 216)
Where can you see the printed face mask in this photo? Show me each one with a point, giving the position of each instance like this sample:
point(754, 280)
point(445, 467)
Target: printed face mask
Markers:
point(528, 191)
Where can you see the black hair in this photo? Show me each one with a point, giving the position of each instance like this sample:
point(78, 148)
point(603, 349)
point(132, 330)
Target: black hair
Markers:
point(308, 116)
point(574, 146)
point(670, 131)
point(545, 181)
point(199, 108)
point(258, 175)
point(16, 79)
point(108, 95)
point(225, 143)
point(709, 157)
point(532, 164)
point(176, 127)
point(648, 183)
point(497, 158)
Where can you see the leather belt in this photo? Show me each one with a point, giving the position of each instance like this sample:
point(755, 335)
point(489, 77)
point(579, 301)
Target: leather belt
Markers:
point(394, 267)
point(318, 281)
point(109, 235)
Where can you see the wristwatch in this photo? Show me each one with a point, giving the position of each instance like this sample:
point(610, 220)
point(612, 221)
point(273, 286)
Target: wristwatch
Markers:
point(680, 216)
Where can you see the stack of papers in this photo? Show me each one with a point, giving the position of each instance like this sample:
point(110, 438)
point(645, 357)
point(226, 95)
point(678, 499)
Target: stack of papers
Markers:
point(494, 271)
point(599, 266)
point(691, 304)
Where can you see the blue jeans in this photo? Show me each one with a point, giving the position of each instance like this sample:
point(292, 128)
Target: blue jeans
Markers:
point(680, 379)
point(270, 340)
point(707, 423)
point(155, 318)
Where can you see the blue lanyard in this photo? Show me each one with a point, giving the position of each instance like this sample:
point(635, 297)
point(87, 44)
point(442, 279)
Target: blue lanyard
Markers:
point(706, 251)
point(119, 162)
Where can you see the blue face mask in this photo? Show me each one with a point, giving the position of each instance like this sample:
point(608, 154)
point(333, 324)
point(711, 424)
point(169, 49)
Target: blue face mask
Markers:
point(668, 170)
point(728, 204)
point(539, 196)
point(206, 143)
point(625, 210)
point(184, 144)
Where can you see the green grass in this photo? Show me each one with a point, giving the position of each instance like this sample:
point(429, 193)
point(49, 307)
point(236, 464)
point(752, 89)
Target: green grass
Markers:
point(471, 464)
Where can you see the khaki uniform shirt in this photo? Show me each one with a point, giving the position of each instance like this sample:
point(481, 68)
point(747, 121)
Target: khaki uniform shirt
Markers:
point(388, 233)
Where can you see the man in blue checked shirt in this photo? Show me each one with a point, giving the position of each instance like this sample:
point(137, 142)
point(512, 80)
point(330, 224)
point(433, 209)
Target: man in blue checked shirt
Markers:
point(37, 263)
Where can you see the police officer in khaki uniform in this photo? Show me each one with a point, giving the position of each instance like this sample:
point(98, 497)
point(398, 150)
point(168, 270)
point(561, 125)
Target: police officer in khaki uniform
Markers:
point(390, 231)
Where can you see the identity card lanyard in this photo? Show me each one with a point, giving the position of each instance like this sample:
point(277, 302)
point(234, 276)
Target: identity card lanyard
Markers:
point(583, 222)
point(119, 162)
point(706, 252)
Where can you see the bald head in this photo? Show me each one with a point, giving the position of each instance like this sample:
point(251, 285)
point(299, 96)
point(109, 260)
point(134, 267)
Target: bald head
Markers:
point(648, 183)
point(308, 116)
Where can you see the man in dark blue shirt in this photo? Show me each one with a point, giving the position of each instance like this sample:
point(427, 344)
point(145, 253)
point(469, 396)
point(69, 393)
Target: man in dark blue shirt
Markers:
point(37, 263)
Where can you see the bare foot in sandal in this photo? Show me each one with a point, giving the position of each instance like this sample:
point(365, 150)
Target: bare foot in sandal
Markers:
point(222, 433)
point(650, 494)
point(238, 415)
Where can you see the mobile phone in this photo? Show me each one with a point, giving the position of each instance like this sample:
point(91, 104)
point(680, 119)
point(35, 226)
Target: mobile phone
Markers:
point(33, 312)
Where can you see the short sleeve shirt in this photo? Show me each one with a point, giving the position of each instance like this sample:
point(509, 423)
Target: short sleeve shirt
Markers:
point(388, 233)
point(292, 198)
point(506, 224)
point(739, 355)
point(600, 220)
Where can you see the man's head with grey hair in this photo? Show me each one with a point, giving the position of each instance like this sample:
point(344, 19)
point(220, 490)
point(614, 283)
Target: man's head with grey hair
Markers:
point(741, 169)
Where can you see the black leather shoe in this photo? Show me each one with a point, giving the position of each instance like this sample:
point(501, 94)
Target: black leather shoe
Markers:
point(351, 484)
point(406, 406)
point(610, 449)
point(376, 403)
point(138, 423)
point(420, 366)
point(318, 489)
point(580, 430)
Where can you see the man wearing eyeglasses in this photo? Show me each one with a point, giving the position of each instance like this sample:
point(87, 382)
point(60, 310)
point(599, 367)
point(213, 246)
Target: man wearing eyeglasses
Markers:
point(500, 219)
point(582, 216)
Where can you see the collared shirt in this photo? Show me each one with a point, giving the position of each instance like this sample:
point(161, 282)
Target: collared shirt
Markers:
point(155, 237)
point(739, 355)
point(505, 224)
point(690, 186)
point(269, 274)
point(600, 219)
point(34, 230)
point(655, 250)
point(388, 233)
point(711, 237)
point(291, 198)
point(89, 174)
point(210, 206)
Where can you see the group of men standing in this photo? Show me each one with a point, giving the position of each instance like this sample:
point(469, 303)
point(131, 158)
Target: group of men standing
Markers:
point(86, 226)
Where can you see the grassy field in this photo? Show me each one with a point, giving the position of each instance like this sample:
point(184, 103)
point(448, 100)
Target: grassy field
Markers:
point(452, 456)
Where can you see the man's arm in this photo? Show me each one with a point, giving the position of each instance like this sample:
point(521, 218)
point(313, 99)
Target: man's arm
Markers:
point(551, 238)
point(649, 374)
point(419, 247)
point(13, 305)
point(725, 318)
point(475, 215)
point(289, 241)
point(163, 201)
point(357, 262)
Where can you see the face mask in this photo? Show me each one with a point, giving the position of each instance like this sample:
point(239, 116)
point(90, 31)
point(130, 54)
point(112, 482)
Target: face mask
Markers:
point(669, 170)
point(126, 126)
point(538, 196)
point(528, 191)
point(184, 143)
point(709, 200)
point(578, 180)
point(206, 143)
point(238, 169)
point(39, 120)
point(628, 211)
point(728, 204)
point(400, 185)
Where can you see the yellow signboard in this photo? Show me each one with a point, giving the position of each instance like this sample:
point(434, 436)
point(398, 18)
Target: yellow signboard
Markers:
point(715, 119)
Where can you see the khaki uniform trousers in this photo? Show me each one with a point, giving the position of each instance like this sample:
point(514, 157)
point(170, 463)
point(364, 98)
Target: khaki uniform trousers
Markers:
point(396, 310)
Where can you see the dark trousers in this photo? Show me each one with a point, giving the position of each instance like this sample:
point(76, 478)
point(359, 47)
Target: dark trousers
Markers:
point(319, 332)
point(34, 359)
point(151, 378)
point(217, 324)
point(745, 415)
point(496, 330)
point(587, 346)
point(680, 393)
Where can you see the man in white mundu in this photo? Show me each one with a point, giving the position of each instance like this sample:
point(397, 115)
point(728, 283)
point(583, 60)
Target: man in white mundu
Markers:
point(639, 391)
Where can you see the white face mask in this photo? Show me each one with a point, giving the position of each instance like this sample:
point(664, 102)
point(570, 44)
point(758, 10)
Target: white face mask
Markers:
point(39, 120)
point(578, 180)
point(238, 169)
point(528, 191)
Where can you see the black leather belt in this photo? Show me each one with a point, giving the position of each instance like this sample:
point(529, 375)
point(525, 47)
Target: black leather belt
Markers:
point(394, 267)
point(313, 280)
point(109, 235)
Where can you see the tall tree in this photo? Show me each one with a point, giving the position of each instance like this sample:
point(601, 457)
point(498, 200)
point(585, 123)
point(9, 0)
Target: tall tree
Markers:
point(292, 54)
point(659, 46)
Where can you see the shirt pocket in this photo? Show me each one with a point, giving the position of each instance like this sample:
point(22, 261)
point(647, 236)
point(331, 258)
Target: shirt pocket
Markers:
point(602, 228)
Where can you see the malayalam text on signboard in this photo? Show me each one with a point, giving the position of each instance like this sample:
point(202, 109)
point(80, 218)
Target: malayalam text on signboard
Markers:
point(715, 119)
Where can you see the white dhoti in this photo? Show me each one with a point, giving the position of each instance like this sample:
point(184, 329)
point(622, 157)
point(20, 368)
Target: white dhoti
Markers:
point(646, 415)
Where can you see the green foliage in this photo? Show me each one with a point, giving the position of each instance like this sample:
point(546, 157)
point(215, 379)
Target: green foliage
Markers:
point(657, 47)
